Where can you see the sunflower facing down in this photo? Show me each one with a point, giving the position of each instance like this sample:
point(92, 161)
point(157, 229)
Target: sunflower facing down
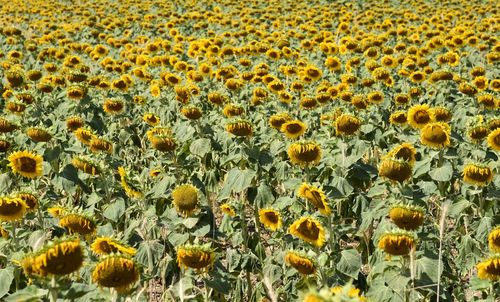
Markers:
point(420, 115)
point(85, 165)
point(405, 152)
point(30, 200)
point(116, 271)
point(38, 135)
point(12, 209)
point(185, 198)
point(79, 224)
point(26, 164)
point(301, 262)
point(494, 139)
point(131, 189)
point(57, 212)
point(398, 118)
point(62, 257)
point(489, 269)
point(395, 170)
point(270, 218)
point(228, 209)
point(304, 153)
point(397, 243)
point(277, 120)
point(477, 174)
point(315, 196)
point(191, 112)
point(435, 135)
point(198, 257)
point(293, 129)
point(406, 216)
point(163, 143)
point(346, 125)
point(240, 128)
point(309, 230)
point(98, 144)
point(494, 240)
point(84, 135)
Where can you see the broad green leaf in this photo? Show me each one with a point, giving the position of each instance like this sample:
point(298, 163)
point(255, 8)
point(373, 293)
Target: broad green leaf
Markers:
point(350, 263)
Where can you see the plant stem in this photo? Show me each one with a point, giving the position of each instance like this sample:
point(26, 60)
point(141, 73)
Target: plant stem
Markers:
point(14, 238)
point(53, 291)
point(444, 210)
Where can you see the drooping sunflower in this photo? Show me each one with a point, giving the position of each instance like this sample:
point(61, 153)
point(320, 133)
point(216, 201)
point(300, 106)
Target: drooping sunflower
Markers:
point(57, 211)
point(233, 110)
point(395, 169)
point(131, 189)
point(38, 134)
point(435, 135)
point(106, 245)
point(7, 126)
point(98, 144)
point(270, 218)
point(407, 217)
point(3, 233)
point(191, 112)
point(346, 125)
point(404, 151)
point(30, 200)
point(84, 135)
point(277, 120)
point(228, 209)
point(301, 262)
point(4, 145)
point(185, 198)
point(398, 118)
point(240, 128)
point(397, 243)
point(62, 257)
point(12, 209)
point(494, 139)
point(151, 119)
point(420, 115)
point(113, 106)
point(309, 230)
point(494, 240)
point(304, 153)
point(74, 122)
point(198, 257)
point(163, 142)
point(441, 114)
point(489, 269)
point(85, 165)
point(78, 223)
point(315, 196)
point(293, 129)
point(26, 164)
point(477, 174)
point(116, 271)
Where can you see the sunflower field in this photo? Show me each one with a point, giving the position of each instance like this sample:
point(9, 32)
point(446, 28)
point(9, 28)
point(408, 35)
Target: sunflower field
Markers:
point(254, 151)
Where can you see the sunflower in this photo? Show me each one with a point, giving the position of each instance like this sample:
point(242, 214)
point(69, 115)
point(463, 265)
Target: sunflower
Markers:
point(293, 129)
point(488, 101)
point(494, 240)
point(98, 144)
point(346, 125)
point(106, 245)
point(151, 119)
point(239, 128)
point(304, 153)
point(85, 165)
point(57, 211)
point(232, 110)
point(76, 92)
point(116, 271)
point(420, 115)
point(228, 209)
point(4, 145)
point(26, 164)
point(494, 139)
point(270, 218)
point(62, 257)
point(489, 269)
point(406, 216)
point(277, 120)
point(84, 135)
point(347, 293)
point(12, 209)
point(154, 172)
point(131, 189)
point(477, 174)
point(77, 223)
point(395, 169)
point(301, 262)
point(441, 114)
point(435, 135)
point(3, 233)
point(6, 126)
point(191, 112)
point(397, 243)
point(164, 143)
point(198, 257)
point(185, 198)
point(113, 106)
point(309, 230)
point(404, 151)
point(30, 200)
point(38, 134)
point(398, 118)
point(74, 122)
point(315, 196)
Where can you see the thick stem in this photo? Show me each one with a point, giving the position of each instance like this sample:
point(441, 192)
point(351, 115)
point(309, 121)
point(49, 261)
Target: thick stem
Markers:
point(444, 210)
point(53, 290)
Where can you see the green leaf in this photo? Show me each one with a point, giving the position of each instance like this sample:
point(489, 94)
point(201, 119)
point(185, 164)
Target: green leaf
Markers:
point(5, 182)
point(236, 181)
point(200, 147)
point(6, 275)
point(350, 263)
point(115, 210)
point(457, 208)
point(443, 173)
point(264, 195)
point(28, 294)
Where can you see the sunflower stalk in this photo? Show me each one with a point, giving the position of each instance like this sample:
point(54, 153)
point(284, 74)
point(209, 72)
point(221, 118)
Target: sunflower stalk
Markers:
point(444, 210)
point(53, 289)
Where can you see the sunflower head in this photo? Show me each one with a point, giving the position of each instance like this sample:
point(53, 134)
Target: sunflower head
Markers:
point(293, 129)
point(106, 245)
point(315, 196)
point(397, 242)
point(477, 174)
point(131, 187)
point(301, 262)
point(420, 115)
point(228, 209)
point(61, 257)
point(84, 135)
point(7, 126)
point(77, 223)
point(304, 153)
point(405, 152)
point(116, 271)
point(98, 144)
point(494, 139)
point(74, 122)
point(346, 125)
point(29, 199)
point(26, 164)
point(494, 240)
point(163, 142)
point(277, 120)
point(191, 112)
point(197, 257)
point(12, 208)
point(57, 211)
point(441, 114)
point(240, 127)
point(151, 119)
point(270, 218)
point(407, 217)
point(395, 169)
point(398, 118)
point(489, 269)
point(435, 135)
point(185, 198)
point(38, 134)
point(310, 230)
